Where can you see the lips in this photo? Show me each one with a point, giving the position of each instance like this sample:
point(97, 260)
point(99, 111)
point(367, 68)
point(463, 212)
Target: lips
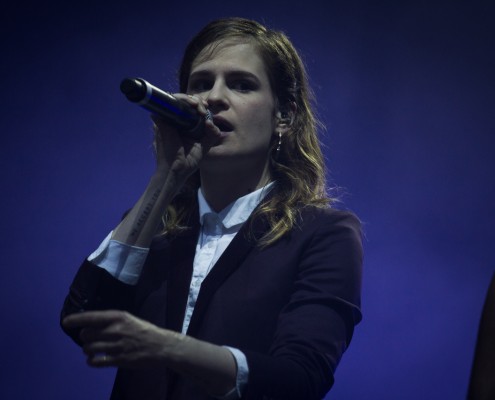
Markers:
point(222, 124)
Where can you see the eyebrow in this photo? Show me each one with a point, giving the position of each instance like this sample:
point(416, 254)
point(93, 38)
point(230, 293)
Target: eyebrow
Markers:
point(230, 74)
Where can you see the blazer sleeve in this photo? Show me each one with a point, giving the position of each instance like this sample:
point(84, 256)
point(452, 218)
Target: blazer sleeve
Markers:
point(316, 326)
point(93, 288)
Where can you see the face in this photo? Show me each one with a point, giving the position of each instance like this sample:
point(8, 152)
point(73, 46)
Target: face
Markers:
point(233, 80)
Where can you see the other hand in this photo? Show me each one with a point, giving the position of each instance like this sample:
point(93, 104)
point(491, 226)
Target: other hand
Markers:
point(119, 339)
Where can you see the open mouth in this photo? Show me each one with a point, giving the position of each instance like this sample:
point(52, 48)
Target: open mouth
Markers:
point(222, 124)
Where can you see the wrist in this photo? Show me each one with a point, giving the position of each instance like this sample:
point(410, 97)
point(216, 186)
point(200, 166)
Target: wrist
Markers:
point(168, 178)
point(212, 367)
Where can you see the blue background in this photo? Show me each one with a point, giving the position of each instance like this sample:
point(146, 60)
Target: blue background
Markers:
point(406, 90)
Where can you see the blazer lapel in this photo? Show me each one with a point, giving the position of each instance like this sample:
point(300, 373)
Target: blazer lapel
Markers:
point(179, 280)
point(233, 256)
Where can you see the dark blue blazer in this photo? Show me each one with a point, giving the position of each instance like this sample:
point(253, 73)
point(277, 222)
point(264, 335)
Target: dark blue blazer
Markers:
point(290, 307)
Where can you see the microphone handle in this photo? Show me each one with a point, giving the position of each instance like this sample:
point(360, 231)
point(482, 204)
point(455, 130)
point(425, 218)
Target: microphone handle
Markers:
point(177, 112)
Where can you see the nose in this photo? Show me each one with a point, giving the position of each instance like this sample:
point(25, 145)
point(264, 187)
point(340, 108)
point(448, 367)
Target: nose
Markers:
point(217, 98)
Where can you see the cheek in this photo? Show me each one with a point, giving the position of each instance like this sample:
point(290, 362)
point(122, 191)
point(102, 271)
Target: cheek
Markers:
point(261, 130)
point(261, 117)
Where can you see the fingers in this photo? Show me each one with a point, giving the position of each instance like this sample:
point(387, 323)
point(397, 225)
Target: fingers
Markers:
point(211, 132)
point(101, 360)
point(201, 106)
point(197, 102)
point(98, 325)
point(116, 338)
point(94, 319)
point(110, 332)
point(95, 349)
point(179, 152)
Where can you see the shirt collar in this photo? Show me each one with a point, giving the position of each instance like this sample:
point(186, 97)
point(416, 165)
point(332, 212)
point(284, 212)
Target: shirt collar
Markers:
point(236, 212)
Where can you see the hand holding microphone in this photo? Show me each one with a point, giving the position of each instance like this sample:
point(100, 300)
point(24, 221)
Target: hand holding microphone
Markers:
point(177, 112)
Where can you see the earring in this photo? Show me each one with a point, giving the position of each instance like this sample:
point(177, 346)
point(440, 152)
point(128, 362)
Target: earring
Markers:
point(279, 141)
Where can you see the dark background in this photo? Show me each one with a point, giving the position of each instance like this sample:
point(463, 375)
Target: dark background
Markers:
point(406, 90)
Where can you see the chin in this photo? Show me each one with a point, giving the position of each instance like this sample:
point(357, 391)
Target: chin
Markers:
point(220, 150)
point(222, 159)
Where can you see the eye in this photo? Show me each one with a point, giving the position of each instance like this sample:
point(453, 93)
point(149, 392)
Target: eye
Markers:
point(199, 85)
point(243, 85)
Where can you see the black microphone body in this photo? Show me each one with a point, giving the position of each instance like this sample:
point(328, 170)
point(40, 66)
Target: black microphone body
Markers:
point(179, 113)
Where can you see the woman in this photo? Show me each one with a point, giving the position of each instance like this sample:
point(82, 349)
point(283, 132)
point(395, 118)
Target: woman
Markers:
point(231, 277)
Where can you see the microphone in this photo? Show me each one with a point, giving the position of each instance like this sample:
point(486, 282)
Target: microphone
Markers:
point(177, 112)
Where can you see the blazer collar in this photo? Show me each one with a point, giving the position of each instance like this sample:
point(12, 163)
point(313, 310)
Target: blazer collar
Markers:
point(238, 211)
point(231, 259)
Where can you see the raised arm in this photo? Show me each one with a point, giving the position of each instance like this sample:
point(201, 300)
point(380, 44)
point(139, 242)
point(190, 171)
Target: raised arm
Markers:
point(177, 158)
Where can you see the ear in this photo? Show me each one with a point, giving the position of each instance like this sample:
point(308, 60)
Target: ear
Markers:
point(285, 117)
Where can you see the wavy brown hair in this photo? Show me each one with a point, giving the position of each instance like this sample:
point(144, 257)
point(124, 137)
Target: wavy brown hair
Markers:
point(298, 167)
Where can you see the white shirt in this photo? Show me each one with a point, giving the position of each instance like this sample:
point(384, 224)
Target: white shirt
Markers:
point(217, 231)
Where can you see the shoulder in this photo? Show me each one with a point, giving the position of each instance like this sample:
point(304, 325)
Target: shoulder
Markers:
point(333, 237)
point(330, 220)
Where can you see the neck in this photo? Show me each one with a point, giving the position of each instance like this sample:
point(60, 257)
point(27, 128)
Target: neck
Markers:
point(221, 189)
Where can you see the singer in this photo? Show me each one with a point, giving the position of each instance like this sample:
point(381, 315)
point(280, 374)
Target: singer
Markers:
point(233, 276)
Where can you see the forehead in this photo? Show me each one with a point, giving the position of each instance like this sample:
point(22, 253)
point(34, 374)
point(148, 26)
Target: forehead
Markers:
point(232, 53)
